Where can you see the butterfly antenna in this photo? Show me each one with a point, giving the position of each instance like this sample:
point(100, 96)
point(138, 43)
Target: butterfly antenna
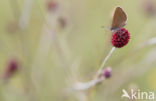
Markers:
point(105, 27)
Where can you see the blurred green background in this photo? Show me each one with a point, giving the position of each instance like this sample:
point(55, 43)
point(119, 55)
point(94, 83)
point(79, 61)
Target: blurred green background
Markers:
point(54, 40)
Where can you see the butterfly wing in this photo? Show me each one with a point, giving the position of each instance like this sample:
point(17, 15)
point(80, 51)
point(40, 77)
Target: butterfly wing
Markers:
point(119, 18)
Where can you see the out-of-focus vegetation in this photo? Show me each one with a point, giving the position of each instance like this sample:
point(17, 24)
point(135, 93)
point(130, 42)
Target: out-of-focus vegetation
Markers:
point(53, 42)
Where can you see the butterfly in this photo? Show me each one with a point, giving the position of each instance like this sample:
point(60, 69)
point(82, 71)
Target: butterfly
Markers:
point(119, 19)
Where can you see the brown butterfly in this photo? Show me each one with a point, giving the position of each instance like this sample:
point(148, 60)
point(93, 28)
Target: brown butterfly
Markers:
point(119, 19)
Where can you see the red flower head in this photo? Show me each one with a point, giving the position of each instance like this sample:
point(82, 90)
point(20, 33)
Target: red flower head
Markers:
point(52, 6)
point(120, 37)
point(12, 67)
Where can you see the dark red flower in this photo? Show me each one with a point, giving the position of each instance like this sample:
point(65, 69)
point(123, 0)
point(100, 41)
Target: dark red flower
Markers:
point(149, 7)
point(52, 6)
point(120, 37)
point(12, 67)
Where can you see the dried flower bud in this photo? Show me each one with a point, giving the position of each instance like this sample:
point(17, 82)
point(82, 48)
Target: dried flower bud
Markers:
point(12, 27)
point(107, 72)
point(120, 37)
point(62, 22)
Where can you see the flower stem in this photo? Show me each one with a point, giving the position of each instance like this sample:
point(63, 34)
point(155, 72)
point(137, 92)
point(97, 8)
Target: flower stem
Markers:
point(86, 85)
point(105, 60)
point(97, 79)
